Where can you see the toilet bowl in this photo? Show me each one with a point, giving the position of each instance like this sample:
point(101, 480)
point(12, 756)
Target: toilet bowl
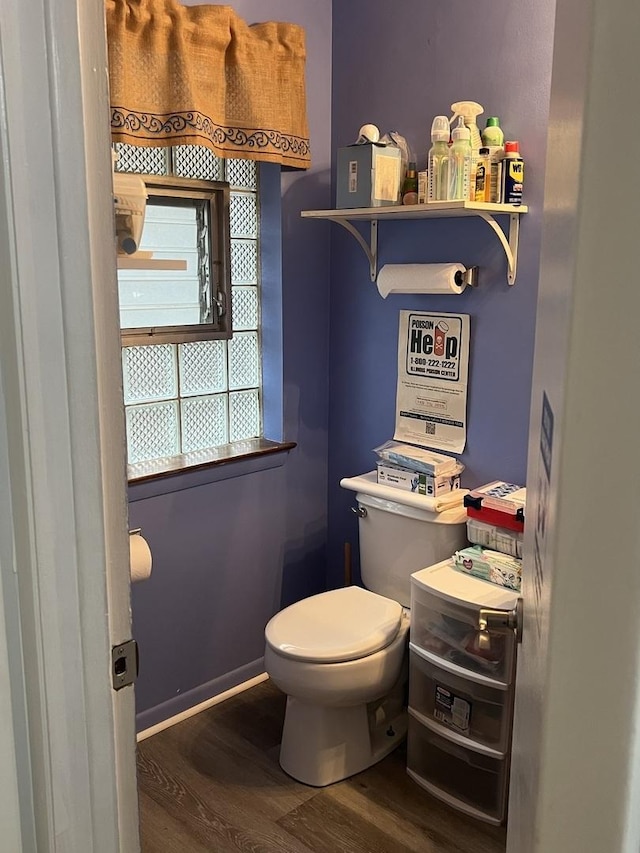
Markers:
point(341, 656)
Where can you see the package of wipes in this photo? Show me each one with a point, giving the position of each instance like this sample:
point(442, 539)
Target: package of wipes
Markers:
point(492, 566)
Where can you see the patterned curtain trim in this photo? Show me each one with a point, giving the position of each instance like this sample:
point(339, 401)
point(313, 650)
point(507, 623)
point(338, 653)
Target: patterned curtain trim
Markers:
point(200, 75)
point(191, 128)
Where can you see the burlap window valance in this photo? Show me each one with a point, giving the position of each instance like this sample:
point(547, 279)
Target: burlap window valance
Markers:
point(199, 75)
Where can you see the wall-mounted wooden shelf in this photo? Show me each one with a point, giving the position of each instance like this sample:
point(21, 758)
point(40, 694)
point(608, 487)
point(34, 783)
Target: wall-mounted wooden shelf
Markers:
point(434, 210)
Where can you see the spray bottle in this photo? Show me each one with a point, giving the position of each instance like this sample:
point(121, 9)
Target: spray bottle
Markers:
point(460, 158)
point(438, 160)
point(470, 110)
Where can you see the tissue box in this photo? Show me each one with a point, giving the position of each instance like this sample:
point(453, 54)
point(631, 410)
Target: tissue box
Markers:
point(368, 176)
point(415, 481)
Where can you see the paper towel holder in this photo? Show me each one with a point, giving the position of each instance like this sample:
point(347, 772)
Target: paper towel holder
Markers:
point(468, 277)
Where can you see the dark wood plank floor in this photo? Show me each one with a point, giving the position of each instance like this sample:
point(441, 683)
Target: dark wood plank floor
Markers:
point(212, 784)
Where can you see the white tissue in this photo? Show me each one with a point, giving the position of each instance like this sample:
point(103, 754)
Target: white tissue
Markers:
point(420, 278)
point(139, 558)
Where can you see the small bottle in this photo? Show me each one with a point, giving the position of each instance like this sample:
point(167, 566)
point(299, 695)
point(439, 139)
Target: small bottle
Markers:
point(496, 157)
point(483, 176)
point(460, 157)
point(438, 160)
point(422, 187)
point(410, 185)
point(493, 139)
point(512, 174)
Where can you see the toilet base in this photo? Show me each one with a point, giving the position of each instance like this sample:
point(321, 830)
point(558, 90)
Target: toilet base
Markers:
point(322, 745)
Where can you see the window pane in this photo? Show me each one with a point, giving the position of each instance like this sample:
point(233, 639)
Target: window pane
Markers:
point(164, 297)
point(196, 161)
point(149, 373)
point(244, 262)
point(244, 308)
point(244, 362)
point(203, 368)
point(244, 415)
point(204, 422)
point(242, 174)
point(244, 215)
point(143, 160)
point(152, 431)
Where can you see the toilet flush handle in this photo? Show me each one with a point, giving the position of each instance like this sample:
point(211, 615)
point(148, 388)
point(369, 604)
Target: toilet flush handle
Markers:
point(360, 511)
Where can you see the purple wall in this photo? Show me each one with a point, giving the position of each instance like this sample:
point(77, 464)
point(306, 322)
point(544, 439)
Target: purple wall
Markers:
point(398, 67)
point(227, 554)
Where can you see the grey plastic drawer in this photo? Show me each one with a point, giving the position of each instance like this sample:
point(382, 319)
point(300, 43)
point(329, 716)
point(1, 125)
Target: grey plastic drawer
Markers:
point(471, 781)
point(473, 709)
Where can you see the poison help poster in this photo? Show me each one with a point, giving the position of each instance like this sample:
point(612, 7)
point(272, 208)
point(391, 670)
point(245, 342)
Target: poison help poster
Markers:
point(433, 367)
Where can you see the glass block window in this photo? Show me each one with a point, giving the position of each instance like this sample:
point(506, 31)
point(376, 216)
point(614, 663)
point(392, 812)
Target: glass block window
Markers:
point(189, 397)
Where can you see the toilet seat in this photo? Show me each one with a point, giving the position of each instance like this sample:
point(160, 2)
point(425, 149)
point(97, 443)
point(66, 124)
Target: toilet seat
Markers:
point(335, 626)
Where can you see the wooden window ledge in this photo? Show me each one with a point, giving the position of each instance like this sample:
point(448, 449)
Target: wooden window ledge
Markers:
point(218, 459)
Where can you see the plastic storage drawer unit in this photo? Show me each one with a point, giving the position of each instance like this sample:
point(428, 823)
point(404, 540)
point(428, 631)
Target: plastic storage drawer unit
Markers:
point(474, 707)
point(445, 606)
point(473, 782)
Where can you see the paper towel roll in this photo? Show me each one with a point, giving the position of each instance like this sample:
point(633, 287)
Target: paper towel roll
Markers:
point(419, 278)
point(139, 557)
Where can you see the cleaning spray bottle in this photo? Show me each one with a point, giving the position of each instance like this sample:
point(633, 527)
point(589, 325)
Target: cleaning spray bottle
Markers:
point(470, 110)
point(460, 159)
point(438, 160)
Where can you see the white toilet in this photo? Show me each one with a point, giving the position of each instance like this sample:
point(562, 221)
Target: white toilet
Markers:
point(341, 656)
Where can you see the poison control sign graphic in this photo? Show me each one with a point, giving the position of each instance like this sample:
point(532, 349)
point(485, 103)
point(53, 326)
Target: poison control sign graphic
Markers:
point(434, 346)
point(433, 363)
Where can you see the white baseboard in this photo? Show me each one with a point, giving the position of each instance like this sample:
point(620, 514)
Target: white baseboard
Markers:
point(191, 712)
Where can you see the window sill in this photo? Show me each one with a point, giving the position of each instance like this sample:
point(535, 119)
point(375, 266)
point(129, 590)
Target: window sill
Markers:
point(185, 471)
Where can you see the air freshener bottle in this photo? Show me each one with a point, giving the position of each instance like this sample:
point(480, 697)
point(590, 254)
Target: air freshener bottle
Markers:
point(493, 139)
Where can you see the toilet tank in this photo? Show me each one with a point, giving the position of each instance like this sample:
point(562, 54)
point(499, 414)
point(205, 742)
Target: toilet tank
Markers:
point(397, 539)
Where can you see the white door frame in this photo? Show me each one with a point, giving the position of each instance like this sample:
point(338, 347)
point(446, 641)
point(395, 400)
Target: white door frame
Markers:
point(64, 554)
point(576, 763)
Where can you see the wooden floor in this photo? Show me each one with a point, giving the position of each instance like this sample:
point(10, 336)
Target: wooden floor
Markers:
point(213, 783)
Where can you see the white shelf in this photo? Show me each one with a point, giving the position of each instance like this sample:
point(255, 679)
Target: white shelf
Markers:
point(434, 210)
point(142, 262)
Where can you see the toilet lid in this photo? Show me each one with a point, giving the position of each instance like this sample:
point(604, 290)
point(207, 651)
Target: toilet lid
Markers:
point(340, 625)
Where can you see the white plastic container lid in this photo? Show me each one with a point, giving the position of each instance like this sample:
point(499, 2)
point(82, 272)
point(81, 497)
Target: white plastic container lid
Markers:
point(448, 583)
point(339, 625)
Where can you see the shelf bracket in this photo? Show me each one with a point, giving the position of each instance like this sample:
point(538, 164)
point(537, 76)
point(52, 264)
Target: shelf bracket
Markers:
point(509, 245)
point(370, 249)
